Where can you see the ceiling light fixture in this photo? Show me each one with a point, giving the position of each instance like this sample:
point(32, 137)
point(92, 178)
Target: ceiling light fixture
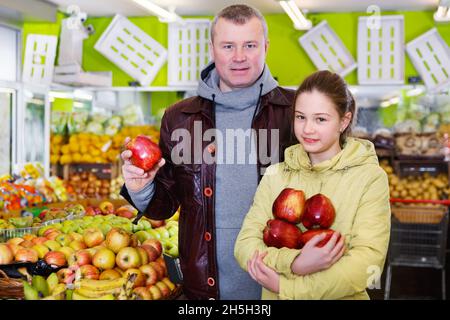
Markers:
point(296, 15)
point(442, 13)
point(163, 14)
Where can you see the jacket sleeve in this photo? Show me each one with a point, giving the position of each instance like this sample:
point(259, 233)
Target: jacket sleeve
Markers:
point(364, 259)
point(250, 237)
point(164, 202)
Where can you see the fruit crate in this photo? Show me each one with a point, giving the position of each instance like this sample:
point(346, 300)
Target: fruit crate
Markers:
point(416, 167)
point(6, 234)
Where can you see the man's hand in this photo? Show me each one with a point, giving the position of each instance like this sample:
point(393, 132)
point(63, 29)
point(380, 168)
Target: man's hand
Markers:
point(136, 178)
point(313, 259)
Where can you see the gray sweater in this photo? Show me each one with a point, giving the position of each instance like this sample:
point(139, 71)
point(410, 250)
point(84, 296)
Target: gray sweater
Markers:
point(236, 176)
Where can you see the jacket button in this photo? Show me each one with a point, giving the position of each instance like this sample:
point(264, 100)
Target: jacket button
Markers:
point(211, 148)
point(207, 236)
point(211, 282)
point(207, 191)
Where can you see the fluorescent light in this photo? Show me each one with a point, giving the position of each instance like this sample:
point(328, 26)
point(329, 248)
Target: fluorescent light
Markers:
point(442, 13)
point(163, 14)
point(300, 22)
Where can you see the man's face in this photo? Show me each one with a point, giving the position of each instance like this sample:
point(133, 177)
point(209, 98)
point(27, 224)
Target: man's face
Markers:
point(239, 52)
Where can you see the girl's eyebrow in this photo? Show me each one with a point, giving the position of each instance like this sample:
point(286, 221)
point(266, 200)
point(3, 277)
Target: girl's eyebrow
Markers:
point(315, 114)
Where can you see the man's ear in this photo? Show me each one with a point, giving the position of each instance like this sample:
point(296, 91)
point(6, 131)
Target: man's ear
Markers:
point(266, 45)
point(211, 51)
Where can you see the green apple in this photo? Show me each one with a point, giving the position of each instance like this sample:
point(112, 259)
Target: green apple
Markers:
point(173, 230)
point(67, 251)
point(172, 223)
point(163, 232)
point(145, 224)
point(63, 239)
point(52, 245)
point(41, 250)
point(154, 234)
point(173, 251)
point(105, 227)
point(143, 235)
point(136, 227)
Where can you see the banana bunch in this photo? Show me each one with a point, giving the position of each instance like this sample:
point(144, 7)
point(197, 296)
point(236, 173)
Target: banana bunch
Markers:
point(126, 292)
point(88, 289)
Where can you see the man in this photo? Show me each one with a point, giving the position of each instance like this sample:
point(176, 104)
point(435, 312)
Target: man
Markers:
point(236, 93)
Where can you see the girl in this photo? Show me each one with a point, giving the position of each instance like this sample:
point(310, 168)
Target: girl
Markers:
point(346, 170)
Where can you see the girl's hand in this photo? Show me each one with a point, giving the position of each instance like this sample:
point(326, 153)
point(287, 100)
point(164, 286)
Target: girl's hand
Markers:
point(313, 259)
point(262, 274)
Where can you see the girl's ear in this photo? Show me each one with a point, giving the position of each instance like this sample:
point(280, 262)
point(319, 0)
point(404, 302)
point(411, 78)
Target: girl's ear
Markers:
point(345, 121)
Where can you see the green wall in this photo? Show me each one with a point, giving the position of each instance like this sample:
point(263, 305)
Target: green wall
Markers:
point(288, 62)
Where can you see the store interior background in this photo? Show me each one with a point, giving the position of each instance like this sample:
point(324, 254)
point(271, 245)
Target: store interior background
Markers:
point(286, 59)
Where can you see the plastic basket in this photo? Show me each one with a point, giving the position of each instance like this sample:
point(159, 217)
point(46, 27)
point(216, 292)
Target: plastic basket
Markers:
point(6, 234)
point(188, 51)
point(326, 50)
point(431, 57)
point(132, 50)
point(381, 58)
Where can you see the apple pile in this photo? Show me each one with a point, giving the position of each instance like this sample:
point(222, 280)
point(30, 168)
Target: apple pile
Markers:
point(289, 209)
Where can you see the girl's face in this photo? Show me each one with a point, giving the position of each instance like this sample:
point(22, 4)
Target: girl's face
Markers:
point(318, 126)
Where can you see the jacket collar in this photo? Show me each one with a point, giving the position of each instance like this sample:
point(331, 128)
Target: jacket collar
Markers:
point(275, 97)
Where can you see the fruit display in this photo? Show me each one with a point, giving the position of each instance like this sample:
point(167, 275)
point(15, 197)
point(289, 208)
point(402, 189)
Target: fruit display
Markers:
point(87, 184)
point(145, 153)
point(98, 257)
point(116, 186)
point(90, 147)
point(289, 209)
point(423, 187)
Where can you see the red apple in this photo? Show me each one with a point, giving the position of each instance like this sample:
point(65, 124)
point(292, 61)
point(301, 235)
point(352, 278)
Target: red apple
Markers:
point(289, 205)
point(151, 273)
point(127, 258)
point(155, 292)
point(26, 255)
point(140, 279)
point(93, 237)
point(145, 153)
point(152, 253)
point(39, 240)
point(279, 233)
point(143, 254)
point(160, 270)
point(319, 212)
point(55, 258)
point(155, 243)
point(65, 275)
point(142, 293)
point(6, 255)
point(125, 213)
point(106, 207)
point(88, 271)
point(116, 239)
point(308, 235)
point(109, 274)
point(17, 241)
point(165, 290)
point(14, 247)
point(80, 258)
point(157, 223)
point(104, 259)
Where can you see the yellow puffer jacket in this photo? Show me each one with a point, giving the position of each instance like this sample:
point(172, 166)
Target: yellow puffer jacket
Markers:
point(359, 191)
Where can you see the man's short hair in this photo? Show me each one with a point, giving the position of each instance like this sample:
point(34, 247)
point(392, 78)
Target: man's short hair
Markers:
point(239, 14)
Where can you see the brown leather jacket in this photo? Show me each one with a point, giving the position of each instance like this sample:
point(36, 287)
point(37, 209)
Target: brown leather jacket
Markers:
point(191, 186)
